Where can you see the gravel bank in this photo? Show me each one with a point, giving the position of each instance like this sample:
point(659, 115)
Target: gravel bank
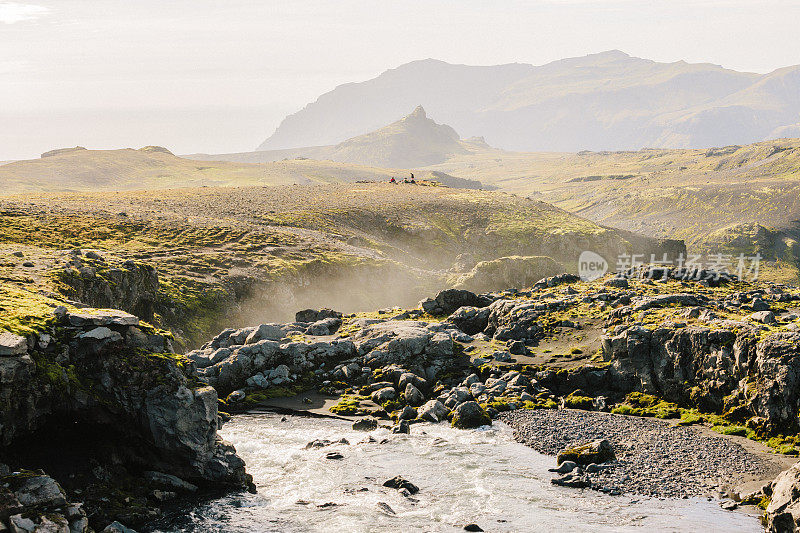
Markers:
point(653, 457)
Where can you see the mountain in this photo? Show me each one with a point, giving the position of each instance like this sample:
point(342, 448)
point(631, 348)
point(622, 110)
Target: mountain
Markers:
point(606, 101)
point(413, 141)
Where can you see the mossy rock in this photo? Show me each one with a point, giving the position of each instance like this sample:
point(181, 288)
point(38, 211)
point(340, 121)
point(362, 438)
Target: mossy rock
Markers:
point(597, 451)
point(470, 415)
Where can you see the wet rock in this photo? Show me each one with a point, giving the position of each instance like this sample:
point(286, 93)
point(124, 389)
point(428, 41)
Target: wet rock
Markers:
point(408, 413)
point(334, 455)
point(169, 481)
point(565, 468)
point(402, 427)
point(164, 495)
point(573, 481)
point(116, 527)
point(433, 411)
point(399, 482)
point(386, 509)
point(367, 423)
point(472, 527)
point(470, 415)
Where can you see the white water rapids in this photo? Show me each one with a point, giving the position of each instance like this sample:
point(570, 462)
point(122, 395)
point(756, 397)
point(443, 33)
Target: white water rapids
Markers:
point(480, 476)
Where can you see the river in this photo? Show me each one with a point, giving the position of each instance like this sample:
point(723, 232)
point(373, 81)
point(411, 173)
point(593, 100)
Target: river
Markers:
point(480, 476)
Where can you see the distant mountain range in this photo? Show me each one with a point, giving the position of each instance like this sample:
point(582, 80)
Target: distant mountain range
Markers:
point(606, 101)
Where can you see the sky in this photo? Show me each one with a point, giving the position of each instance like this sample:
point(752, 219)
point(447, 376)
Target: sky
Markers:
point(218, 76)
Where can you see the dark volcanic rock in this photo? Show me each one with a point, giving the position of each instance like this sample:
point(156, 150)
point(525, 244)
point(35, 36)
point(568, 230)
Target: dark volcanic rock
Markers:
point(449, 300)
point(104, 371)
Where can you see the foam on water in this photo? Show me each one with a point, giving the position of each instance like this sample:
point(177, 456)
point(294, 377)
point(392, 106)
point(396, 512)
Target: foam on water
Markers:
point(480, 476)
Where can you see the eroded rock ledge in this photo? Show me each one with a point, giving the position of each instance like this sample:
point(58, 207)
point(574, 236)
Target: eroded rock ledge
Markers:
point(99, 400)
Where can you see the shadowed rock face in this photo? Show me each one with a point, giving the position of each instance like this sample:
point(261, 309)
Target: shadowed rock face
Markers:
point(106, 371)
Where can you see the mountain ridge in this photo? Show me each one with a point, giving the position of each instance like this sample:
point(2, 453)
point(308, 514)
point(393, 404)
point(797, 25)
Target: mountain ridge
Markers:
point(604, 101)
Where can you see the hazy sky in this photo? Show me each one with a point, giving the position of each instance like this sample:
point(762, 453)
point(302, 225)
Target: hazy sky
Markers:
point(201, 75)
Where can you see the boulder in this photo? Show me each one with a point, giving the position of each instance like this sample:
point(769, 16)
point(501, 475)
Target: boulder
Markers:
point(783, 511)
point(38, 491)
point(326, 326)
point(433, 411)
point(408, 413)
point(408, 378)
point(597, 451)
point(413, 395)
point(470, 320)
point(367, 423)
point(470, 415)
point(383, 395)
point(11, 344)
point(314, 315)
point(398, 482)
point(765, 317)
point(264, 331)
point(449, 300)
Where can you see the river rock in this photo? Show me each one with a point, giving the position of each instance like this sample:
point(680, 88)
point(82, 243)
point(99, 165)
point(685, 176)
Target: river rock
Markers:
point(367, 423)
point(383, 395)
point(408, 413)
point(413, 395)
point(116, 527)
point(169, 481)
point(399, 482)
point(565, 468)
point(433, 411)
point(470, 415)
point(597, 451)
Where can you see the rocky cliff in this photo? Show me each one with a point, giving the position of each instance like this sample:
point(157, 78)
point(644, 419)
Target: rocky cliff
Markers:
point(100, 401)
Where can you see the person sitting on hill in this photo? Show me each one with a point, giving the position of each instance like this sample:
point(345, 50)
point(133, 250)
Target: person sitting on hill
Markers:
point(412, 179)
point(392, 180)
